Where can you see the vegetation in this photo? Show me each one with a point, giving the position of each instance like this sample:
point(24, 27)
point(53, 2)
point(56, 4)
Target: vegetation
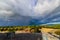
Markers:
point(57, 32)
point(54, 26)
point(17, 28)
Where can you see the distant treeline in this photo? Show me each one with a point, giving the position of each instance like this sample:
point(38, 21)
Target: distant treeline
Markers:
point(18, 28)
point(55, 26)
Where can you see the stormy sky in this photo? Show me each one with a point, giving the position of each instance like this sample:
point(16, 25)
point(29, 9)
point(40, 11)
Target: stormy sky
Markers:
point(29, 12)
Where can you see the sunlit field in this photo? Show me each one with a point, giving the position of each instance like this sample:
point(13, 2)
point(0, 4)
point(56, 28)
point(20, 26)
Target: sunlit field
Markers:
point(30, 28)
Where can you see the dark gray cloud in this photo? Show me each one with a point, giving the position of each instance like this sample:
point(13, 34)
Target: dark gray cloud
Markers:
point(21, 12)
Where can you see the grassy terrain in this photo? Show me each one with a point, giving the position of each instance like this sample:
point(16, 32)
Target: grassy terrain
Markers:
point(54, 26)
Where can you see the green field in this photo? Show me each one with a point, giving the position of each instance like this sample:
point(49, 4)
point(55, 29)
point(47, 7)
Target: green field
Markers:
point(54, 26)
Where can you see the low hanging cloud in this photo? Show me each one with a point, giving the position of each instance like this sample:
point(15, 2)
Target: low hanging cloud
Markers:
point(17, 9)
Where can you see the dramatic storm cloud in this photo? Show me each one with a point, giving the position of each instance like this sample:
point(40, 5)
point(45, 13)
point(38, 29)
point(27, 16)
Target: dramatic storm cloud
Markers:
point(25, 12)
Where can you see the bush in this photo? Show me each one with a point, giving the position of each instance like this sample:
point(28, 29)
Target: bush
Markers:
point(57, 32)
